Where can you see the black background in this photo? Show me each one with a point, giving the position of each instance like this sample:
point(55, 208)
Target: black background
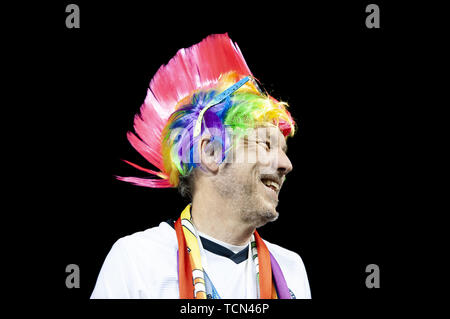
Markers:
point(342, 207)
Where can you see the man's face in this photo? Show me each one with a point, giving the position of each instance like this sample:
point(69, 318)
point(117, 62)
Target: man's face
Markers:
point(252, 175)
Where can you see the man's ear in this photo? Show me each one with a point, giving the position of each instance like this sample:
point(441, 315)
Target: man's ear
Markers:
point(210, 155)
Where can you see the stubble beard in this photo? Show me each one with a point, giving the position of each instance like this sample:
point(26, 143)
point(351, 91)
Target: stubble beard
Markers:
point(246, 200)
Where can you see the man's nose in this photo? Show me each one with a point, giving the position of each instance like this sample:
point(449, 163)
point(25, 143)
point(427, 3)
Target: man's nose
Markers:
point(284, 165)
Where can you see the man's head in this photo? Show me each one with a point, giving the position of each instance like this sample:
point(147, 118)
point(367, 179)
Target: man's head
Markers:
point(240, 153)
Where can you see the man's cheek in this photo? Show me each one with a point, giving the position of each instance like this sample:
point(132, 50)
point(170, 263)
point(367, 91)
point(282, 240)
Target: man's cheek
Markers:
point(263, 159)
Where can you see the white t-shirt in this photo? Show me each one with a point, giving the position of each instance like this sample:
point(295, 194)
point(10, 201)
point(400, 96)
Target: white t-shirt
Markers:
point(144, 265)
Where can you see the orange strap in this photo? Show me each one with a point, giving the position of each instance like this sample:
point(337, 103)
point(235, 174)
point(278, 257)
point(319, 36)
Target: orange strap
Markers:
point(266, 286)
point(184, 266)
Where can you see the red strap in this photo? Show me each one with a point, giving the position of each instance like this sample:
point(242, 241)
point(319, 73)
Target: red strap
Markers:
point(184, 266)
point(265, 269)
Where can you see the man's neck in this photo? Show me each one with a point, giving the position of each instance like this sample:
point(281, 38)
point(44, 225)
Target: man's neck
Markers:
point(218, 219)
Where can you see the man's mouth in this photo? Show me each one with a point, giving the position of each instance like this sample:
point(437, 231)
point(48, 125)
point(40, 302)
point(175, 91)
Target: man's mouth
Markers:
point(270, 183)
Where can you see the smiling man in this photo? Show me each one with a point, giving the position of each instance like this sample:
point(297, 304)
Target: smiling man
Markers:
point(244, 190)
point(213, 134)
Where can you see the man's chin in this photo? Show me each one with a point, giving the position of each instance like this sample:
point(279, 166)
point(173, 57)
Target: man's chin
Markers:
point(269, 215)
point(273, 216)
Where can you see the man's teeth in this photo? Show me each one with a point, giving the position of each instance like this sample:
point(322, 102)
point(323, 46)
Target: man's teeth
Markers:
point(271, 183)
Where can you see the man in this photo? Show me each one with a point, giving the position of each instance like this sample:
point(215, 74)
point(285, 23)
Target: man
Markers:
point(222, 142)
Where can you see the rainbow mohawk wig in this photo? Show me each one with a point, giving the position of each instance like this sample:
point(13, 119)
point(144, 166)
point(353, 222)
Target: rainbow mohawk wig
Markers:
point(204, 88)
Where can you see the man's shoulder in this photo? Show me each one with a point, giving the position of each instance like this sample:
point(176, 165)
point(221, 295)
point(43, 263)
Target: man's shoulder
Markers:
point(140, 265)
point(293, 270)
point(284, 255)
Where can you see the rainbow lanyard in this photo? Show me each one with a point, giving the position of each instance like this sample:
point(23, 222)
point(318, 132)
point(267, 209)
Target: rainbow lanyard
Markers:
point(191, 274)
